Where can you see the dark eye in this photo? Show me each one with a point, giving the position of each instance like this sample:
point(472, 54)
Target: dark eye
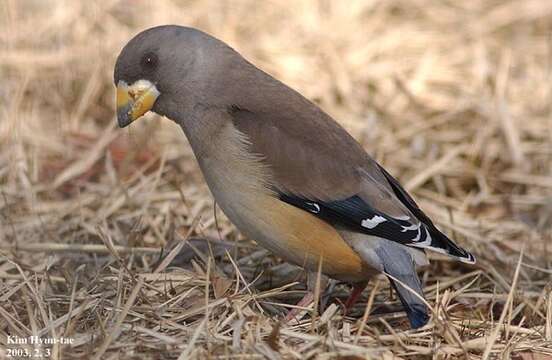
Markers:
point(149, 61)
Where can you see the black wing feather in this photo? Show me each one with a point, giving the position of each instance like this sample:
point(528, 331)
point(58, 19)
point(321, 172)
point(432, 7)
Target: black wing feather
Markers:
point(439, 240)
point(357, 215)
point(351, 212)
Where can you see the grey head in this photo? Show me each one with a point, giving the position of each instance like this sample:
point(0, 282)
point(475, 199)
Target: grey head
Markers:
point(169, 69)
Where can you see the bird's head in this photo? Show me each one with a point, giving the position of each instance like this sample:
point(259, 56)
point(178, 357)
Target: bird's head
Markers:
point(163, 68)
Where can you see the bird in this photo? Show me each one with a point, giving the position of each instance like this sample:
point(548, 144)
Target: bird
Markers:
point(283, 171)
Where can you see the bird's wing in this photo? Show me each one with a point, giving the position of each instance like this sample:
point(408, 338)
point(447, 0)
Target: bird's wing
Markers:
point(318, 167)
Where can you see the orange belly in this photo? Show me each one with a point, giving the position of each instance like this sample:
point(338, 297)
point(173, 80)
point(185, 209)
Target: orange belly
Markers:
point(238, 181)
point(306, 240)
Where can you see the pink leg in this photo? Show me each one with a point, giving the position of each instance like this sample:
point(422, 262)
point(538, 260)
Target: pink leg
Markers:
point(353, 298)
point(304, 302)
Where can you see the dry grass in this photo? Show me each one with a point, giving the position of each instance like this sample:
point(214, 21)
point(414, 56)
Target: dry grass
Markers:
point(455, 98)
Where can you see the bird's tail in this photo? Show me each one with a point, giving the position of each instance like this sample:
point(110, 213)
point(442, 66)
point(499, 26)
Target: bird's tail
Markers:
point(414, 306)
point(399, 267)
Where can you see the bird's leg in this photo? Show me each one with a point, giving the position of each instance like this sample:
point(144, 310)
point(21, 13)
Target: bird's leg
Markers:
point(304, 302)
point(326, 295)
point(316, 283)
point(358, 288)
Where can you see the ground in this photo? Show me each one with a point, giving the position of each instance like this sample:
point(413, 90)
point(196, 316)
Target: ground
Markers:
point(109, 238)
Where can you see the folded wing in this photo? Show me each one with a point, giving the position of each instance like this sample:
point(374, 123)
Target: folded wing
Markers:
point(318, 167)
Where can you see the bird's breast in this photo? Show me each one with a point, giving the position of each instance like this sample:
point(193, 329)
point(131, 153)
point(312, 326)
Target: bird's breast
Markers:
point(239, 182)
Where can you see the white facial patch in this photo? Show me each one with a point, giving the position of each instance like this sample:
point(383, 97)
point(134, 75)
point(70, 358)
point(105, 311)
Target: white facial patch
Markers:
point(373, 222)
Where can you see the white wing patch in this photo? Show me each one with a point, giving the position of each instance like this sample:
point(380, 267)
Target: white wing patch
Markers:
point(315, 207)
point(427, 241)
point(373, 222)
point(418, 228)
point(403, 217)
point(412, 227)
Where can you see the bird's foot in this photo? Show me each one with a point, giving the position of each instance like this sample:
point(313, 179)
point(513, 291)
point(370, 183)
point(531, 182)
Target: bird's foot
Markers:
point(353, 298)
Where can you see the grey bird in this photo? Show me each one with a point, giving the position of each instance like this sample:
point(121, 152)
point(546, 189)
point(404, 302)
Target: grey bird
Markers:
point(282, 170)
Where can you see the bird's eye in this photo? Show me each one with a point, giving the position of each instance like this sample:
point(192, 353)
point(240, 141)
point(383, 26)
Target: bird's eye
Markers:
point(149, 61)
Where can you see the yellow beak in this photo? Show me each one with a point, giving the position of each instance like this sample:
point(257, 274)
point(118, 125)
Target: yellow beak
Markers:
point(135, 100)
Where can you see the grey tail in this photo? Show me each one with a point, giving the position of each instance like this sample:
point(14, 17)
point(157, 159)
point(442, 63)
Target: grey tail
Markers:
point(415, 308)
point(401, 270)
